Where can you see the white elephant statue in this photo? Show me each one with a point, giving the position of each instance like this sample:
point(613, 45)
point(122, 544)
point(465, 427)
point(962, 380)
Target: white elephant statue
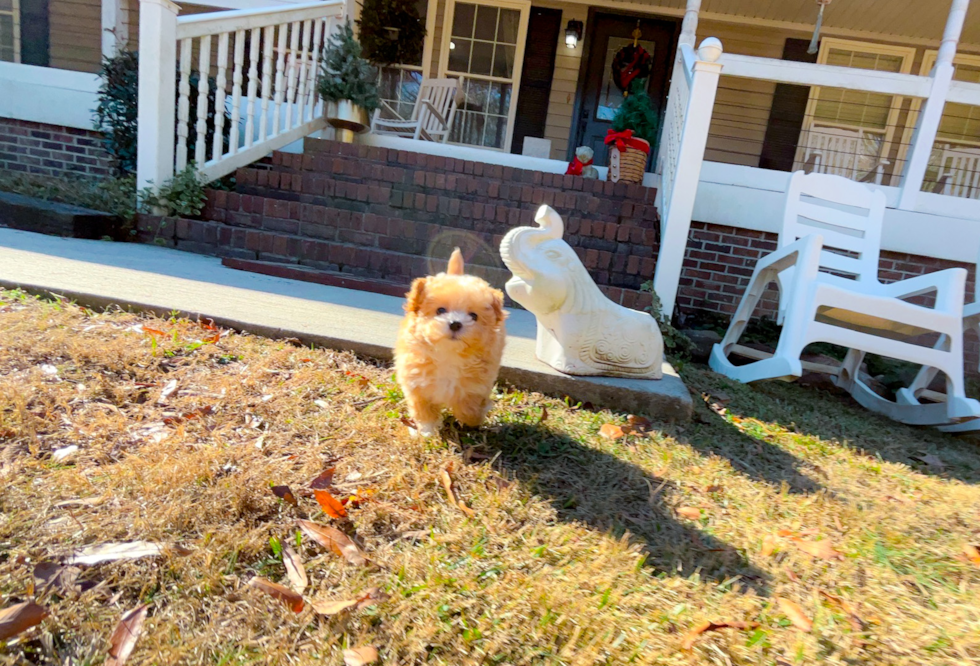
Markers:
point(580, 331)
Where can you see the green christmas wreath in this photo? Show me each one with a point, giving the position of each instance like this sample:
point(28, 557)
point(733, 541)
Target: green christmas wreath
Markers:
point(392, 32)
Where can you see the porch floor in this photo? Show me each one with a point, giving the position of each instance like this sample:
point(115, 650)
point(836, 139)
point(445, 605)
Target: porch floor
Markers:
point(162, 280)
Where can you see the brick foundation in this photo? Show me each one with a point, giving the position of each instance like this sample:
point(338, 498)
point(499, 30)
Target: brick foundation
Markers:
point(51, 150)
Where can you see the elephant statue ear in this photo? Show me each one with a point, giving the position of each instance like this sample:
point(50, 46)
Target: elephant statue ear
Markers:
point(550, 221)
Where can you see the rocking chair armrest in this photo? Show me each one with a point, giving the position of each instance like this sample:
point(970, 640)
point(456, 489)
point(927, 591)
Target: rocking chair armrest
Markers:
point(949, 285)
point(391, 109)
point(803, 253)
point(434, 111)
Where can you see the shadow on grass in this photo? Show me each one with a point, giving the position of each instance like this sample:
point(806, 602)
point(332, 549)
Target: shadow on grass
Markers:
point(835, 418)
point(612, 496)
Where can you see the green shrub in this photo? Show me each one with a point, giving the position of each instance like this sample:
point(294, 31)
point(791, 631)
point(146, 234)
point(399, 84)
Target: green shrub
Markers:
point(675, 342)
point(180, 196)
point(110, 195)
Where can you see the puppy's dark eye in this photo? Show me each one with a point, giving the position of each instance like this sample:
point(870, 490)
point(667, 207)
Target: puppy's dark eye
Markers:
point(441, 311)
point(473, 316)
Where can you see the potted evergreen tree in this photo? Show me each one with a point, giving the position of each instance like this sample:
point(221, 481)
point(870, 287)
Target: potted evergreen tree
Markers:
point(634, 128)
point(348, 83)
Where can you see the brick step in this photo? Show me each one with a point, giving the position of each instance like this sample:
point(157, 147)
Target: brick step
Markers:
point(360, 179)
point(319, 276)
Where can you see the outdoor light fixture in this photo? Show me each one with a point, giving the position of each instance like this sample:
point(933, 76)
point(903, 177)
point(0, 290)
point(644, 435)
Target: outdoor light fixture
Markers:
point(815, 41)
point(573, 33)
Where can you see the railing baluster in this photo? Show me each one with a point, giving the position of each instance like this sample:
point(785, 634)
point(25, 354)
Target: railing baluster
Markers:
point(183, 102)
point(292, 71)
point(315, 64)
point(204, 72)
point(236, 92)
point(267, 48)
point(280, 80)
point(253, 83)
point(219, 97)
point(304, 67)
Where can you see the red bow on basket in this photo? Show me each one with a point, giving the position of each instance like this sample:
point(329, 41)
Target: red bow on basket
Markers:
point(575, 168)
point(624, 139)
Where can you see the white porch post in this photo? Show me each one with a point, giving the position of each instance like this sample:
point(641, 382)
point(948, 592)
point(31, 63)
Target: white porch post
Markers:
point(689, 27)
point(678, 208)
point(157, 92)
point(115, 26)
point(932, 111)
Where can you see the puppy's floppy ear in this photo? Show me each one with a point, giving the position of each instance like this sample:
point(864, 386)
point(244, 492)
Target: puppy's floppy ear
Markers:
point(497, 302)
point(455, 263)
point(415, 296)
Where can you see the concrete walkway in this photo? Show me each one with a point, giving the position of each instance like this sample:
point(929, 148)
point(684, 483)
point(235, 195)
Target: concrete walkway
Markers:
point(161, 280)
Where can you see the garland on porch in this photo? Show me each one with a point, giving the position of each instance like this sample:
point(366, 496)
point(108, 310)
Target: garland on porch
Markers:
point(344, 74)
point(392, 32)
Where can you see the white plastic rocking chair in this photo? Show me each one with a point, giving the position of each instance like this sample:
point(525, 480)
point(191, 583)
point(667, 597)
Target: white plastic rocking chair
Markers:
point(432, 115)
point(826, 265)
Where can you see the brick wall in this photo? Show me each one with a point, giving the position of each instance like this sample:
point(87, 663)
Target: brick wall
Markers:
point(51, 150)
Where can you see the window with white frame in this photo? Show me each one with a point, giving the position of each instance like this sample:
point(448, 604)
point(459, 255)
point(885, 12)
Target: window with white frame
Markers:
point(483, 46)
point(10, 30)
point(850, 132)
point(398, 84)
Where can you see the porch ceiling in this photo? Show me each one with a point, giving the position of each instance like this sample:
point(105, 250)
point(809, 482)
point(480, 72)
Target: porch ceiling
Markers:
point(919, 19)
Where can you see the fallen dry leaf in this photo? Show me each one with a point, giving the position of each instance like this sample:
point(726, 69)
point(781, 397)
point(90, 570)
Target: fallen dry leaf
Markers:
point(852, 617)
point(86, 501)
point(689, 512)
point(170, 387)
point(110, 552)
point(822, 549)
point(323, 480)
point(330, 505)
point(544, 414)
point(124, 638)
point(332, 607)
point(931, 460)
point(640, 423)
point(285, 493)
point(19, 618)
point(360, 656)
point(611, 431)
point(152, 331)
point(768, 546)
point(972, 553)
point(447, 483)
point(280, 592)
point(334, 540)
point(55, 576)
point(372, 595)
point(795, 613)
point(295, 570)
point(704, 627)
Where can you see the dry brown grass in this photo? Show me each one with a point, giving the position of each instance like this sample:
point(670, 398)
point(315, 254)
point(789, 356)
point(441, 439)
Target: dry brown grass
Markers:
point(576, 553)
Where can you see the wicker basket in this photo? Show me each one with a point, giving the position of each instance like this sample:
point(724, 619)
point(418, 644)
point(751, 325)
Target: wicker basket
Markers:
point(627, 166)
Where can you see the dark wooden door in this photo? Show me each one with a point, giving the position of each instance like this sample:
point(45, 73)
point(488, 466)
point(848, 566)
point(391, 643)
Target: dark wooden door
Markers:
point(600, 96)
point(543, 29)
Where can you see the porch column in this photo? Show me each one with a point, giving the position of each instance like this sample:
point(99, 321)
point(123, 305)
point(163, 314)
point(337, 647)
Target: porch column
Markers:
point(689, 27)
point(157, 92)
point(115, 26)
point(932, 111)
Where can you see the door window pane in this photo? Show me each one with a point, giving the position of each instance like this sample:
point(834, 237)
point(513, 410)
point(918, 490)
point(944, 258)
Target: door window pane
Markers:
point(610, 97)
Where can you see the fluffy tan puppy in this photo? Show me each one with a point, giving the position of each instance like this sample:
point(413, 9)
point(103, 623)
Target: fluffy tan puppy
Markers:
point(449, 347)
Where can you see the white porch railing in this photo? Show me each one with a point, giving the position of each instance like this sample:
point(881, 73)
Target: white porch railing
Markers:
point(683, 137)
point(264, 64)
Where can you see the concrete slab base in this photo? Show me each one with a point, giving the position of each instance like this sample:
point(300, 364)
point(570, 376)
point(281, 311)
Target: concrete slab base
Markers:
point(161, 280)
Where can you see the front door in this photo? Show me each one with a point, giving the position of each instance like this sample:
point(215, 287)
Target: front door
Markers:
point(600, 96)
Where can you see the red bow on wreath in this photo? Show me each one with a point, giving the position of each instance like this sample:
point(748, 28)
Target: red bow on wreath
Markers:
point(575, 168)
point(624, 139)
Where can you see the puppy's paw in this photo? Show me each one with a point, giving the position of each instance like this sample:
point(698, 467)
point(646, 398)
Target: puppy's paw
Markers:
point(425, 430)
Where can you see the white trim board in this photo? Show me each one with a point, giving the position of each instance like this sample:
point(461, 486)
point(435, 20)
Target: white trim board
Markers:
point(48, 95)
point(943, 227)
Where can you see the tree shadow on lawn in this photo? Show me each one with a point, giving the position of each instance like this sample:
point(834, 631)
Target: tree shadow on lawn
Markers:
point(610, 495)
point(839, 420)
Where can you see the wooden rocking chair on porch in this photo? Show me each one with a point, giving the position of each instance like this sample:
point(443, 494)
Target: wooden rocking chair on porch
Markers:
point(826, 266)
point(432, 115)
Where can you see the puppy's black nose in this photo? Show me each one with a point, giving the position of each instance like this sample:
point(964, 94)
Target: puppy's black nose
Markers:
point(455, 326)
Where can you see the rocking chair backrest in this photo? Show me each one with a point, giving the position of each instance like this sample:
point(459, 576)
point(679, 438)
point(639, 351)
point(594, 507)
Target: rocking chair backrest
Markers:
point(847, 214)
point(441, 93)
